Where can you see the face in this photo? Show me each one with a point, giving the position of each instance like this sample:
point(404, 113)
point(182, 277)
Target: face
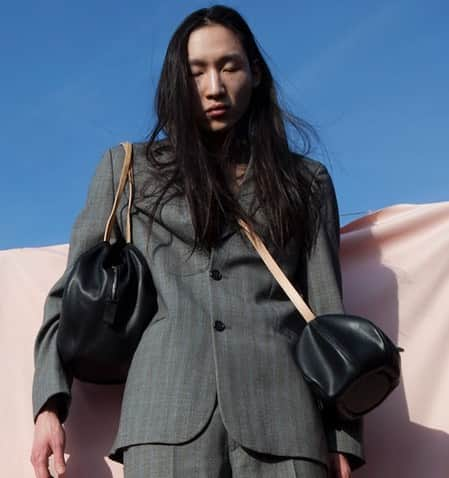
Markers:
point(221, 77)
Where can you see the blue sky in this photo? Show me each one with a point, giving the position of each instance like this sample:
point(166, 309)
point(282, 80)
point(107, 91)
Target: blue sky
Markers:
point(79, 77)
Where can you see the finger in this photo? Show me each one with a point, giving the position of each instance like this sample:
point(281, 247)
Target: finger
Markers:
point(58, 455)
point(41, 469)
point(345, 469)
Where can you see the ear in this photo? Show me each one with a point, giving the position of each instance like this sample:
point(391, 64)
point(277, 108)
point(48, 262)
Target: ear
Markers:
point(257, 73)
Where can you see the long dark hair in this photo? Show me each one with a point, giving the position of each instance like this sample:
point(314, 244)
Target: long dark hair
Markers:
point(282, 187)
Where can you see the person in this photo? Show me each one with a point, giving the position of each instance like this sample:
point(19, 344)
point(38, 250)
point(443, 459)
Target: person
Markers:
point(214, 389)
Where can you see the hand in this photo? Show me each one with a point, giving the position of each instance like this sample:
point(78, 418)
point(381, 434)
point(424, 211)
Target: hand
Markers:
point(49, 438)
point(339, 466)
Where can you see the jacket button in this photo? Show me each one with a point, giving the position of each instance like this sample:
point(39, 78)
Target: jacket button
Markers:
point(219, 326)
point(215, 274)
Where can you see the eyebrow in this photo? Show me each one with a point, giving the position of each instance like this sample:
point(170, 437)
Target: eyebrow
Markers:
point(223, 59)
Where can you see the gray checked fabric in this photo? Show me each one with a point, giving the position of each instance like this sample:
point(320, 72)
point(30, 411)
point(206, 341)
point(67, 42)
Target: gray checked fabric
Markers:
point(213, 454)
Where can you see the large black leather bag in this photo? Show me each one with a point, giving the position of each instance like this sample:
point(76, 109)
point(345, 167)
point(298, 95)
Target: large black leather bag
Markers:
point(108, 301)
point(350, 364)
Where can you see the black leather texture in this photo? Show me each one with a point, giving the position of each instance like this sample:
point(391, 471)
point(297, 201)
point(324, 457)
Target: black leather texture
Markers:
point(349, 362)
point(108, 302)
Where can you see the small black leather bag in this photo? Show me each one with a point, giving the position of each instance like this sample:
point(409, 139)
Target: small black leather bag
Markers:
point(350, 363)
point(108, 301)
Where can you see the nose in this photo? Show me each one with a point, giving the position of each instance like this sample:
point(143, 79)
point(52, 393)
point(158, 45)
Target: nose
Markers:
point(214, 84)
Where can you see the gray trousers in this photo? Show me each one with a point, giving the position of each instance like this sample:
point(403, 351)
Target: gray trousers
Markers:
point(213, 454)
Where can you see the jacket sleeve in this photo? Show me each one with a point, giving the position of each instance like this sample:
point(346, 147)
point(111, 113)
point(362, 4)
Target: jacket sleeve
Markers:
point(51, 384)
point(324, 291)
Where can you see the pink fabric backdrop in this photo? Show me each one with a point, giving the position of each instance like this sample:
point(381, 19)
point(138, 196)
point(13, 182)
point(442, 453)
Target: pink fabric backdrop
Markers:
point(396, 273)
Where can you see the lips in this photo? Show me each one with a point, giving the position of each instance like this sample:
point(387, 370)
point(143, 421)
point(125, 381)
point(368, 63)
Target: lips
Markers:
point(217, 110)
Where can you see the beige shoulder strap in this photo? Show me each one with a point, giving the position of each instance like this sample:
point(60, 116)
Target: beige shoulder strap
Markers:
point(281, 278)
point(125, 176)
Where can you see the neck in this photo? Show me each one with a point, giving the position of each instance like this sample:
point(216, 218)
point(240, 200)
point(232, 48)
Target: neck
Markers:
point(216, 142)
point(231, 143)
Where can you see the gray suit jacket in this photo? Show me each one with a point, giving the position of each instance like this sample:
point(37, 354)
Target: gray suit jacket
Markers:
point(184, 360)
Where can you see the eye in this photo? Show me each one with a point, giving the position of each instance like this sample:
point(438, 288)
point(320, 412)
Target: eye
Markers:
point(196, 73)
point(230, 68)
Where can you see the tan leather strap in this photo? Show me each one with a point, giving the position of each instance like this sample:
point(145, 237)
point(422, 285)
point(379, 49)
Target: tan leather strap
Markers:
point(281, 278)
point(125, 176)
